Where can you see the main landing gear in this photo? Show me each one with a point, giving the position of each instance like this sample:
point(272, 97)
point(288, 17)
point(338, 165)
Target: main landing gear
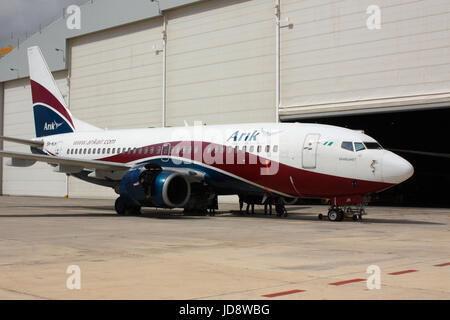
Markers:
point(125, 207)
point(336, 213)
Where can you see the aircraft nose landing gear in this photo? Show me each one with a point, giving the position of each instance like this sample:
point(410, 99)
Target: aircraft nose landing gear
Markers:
point(335, 214)
point(342, 209)
point(338, 214)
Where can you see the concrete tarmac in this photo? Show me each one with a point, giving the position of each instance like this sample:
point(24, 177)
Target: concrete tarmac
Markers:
point(164, 255)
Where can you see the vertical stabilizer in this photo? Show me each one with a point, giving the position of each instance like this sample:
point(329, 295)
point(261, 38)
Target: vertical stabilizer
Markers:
point(51, 115)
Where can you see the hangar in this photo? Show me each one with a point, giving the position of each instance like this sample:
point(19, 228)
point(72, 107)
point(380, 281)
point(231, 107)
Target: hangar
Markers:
point(144, 63)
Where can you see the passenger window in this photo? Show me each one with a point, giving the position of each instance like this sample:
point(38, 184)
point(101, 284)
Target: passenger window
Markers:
point(252, 148)
point(158, 150)
point(359, 146)
point(151, 150)
point(275, 148)
point(113, 150)
point(347, 145)
point(267, 148)
point(93, 150)
point(108, 150)
point(258, 149)
point(84, 151)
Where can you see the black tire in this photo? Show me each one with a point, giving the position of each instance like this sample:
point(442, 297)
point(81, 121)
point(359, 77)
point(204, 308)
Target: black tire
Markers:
point(340, 215)
point(320, 216)
point(355, 217)
point(333, 215)
point(120, 206)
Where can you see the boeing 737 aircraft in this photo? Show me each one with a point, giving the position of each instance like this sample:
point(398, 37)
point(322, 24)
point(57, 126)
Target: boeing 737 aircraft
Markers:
point(188, 167)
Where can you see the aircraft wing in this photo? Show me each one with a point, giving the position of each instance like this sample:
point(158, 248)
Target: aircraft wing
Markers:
point(33, 143)
point(76, 163)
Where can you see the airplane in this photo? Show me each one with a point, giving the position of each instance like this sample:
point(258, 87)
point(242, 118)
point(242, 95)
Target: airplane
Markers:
point(189, 167)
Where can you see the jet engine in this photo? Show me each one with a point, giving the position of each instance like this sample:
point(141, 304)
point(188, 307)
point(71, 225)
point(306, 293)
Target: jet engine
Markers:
point(153, 186)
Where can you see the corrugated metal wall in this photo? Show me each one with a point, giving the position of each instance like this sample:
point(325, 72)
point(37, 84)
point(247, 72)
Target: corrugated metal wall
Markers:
point(38, 179)
point(116, 82)
point(221, 62)
point(331, 61)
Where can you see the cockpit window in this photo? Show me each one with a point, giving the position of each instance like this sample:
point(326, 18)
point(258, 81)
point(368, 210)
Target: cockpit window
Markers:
point(359, 146)
point(373, 145)
point(347, 145)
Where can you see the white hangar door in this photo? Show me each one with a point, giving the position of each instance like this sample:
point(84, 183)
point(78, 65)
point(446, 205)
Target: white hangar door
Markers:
point(332, 62)
point(221, 62)
point(38, 179)
point(116, 82)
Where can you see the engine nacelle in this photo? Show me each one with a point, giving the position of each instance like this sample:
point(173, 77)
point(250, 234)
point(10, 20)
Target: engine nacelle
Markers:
point(162, 188)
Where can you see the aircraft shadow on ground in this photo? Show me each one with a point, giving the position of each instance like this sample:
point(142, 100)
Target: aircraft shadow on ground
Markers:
point(150, 213)
point(305, 216)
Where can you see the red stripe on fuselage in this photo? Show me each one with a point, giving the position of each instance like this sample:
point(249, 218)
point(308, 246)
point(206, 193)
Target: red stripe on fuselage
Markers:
point(41, 94)
point(309, 184)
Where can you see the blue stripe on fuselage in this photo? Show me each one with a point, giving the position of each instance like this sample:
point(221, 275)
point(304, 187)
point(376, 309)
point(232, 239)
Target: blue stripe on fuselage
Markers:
point(222, 183)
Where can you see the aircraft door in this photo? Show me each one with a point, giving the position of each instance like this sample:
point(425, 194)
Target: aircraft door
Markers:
point(309, 153)
point(165, 152)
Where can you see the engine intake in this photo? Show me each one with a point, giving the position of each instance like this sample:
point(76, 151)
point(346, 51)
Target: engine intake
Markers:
point(163, 188)
point(171, 189)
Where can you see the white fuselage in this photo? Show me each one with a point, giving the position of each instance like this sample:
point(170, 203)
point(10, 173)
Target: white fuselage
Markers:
point(287, 155)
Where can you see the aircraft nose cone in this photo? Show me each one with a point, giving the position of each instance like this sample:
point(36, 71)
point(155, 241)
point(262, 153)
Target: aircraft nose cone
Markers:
point(395, 168)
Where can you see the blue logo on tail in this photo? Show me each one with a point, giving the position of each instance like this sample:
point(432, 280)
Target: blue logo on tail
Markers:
point(47, 122)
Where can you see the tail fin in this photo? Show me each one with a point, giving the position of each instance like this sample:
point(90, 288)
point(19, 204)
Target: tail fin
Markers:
point(51, 115)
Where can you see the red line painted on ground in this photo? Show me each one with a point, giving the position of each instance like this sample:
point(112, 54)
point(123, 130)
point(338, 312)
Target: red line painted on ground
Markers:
point(442, 264)
point(346, 281)
point(276, 294)
point(402, 272)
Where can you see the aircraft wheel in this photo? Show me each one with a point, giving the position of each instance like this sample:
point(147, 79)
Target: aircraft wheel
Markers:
point(333, 215)
point(355, 217)
point(340, 215)
point(120, 206)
